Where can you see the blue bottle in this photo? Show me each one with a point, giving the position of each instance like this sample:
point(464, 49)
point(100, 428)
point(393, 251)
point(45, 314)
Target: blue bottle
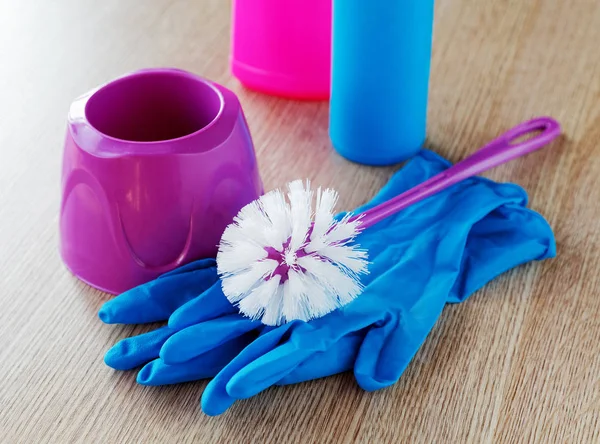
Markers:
point(380, 77)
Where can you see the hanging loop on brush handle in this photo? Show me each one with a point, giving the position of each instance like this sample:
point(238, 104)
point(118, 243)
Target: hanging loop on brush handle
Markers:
point(500, 150)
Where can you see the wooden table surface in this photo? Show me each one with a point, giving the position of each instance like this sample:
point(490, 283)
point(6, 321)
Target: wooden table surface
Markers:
point(519, 362)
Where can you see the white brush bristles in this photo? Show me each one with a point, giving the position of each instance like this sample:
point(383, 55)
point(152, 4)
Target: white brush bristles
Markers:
point(281, 260)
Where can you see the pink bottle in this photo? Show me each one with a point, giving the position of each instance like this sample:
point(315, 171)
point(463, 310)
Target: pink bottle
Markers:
point(283, 47)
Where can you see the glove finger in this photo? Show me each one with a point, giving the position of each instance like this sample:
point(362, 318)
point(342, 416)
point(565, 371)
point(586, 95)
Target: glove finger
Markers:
point(204, 366)
point(157, 299)
point(508, 237)
point(137, 350)
point(215, 399)
point(266, 370)
point(337, 359)
point(387, 349)
point(210, 305)
point(198, 339)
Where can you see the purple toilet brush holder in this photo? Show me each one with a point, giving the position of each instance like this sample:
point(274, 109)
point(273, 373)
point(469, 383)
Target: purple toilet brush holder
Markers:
point(156, 164)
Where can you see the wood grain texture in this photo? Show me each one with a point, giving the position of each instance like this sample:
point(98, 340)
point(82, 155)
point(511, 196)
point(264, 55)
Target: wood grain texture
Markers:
point(519, 362)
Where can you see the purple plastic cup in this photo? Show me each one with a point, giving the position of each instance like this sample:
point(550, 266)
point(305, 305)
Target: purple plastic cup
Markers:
point(156, 164)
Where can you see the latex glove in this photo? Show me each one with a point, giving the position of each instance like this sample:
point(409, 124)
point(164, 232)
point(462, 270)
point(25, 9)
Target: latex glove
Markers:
point(435, 252)
point(205, 346)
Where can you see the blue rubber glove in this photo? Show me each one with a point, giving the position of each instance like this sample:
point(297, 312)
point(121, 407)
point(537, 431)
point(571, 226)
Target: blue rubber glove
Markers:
point(490, 232)
point(435, 252)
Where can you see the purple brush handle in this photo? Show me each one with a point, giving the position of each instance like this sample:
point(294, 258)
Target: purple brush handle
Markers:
point(497, 152)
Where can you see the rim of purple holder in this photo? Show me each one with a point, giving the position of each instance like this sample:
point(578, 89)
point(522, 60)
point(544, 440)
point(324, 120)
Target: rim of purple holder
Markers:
point(210, 99)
